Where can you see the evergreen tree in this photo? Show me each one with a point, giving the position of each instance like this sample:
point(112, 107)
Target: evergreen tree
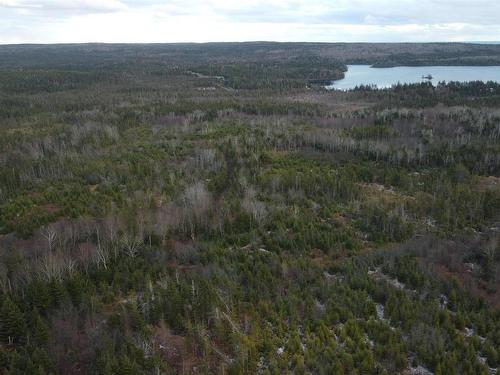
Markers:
point(39, 331)
point(13, 327)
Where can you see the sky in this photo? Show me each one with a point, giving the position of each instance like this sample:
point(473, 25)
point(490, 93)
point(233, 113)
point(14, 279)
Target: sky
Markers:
point(148, 21)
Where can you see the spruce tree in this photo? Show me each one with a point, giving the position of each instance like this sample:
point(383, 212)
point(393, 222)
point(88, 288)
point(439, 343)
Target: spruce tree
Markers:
point(12, 324)
point(39, 332)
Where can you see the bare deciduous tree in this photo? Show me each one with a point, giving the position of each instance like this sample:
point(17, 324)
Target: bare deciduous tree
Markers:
point(130, 244)
point(49, 234)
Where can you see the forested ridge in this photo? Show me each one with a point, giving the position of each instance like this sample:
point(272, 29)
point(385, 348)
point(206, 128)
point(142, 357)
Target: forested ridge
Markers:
point(212, 209)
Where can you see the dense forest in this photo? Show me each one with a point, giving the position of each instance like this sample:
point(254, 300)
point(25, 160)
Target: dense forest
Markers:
point(212, 209)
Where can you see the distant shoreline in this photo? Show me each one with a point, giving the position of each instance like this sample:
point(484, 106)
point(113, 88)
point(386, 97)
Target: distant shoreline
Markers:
point(249, 42)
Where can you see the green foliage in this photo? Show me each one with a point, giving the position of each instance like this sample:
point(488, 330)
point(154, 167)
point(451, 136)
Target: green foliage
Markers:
point(13, 327)
point(210, 209)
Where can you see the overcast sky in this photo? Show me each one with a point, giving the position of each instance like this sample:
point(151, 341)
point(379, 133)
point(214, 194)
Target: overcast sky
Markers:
point(61, 21)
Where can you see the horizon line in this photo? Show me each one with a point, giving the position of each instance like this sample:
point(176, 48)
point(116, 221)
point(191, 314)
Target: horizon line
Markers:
point(248, 42)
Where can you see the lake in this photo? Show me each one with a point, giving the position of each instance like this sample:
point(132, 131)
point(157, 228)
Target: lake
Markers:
point(386, 77)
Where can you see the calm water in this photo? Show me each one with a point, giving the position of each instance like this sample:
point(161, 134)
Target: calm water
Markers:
point(386, 77)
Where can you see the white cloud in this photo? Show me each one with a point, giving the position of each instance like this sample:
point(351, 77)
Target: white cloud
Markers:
point(62, 6)
point(231, 20)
